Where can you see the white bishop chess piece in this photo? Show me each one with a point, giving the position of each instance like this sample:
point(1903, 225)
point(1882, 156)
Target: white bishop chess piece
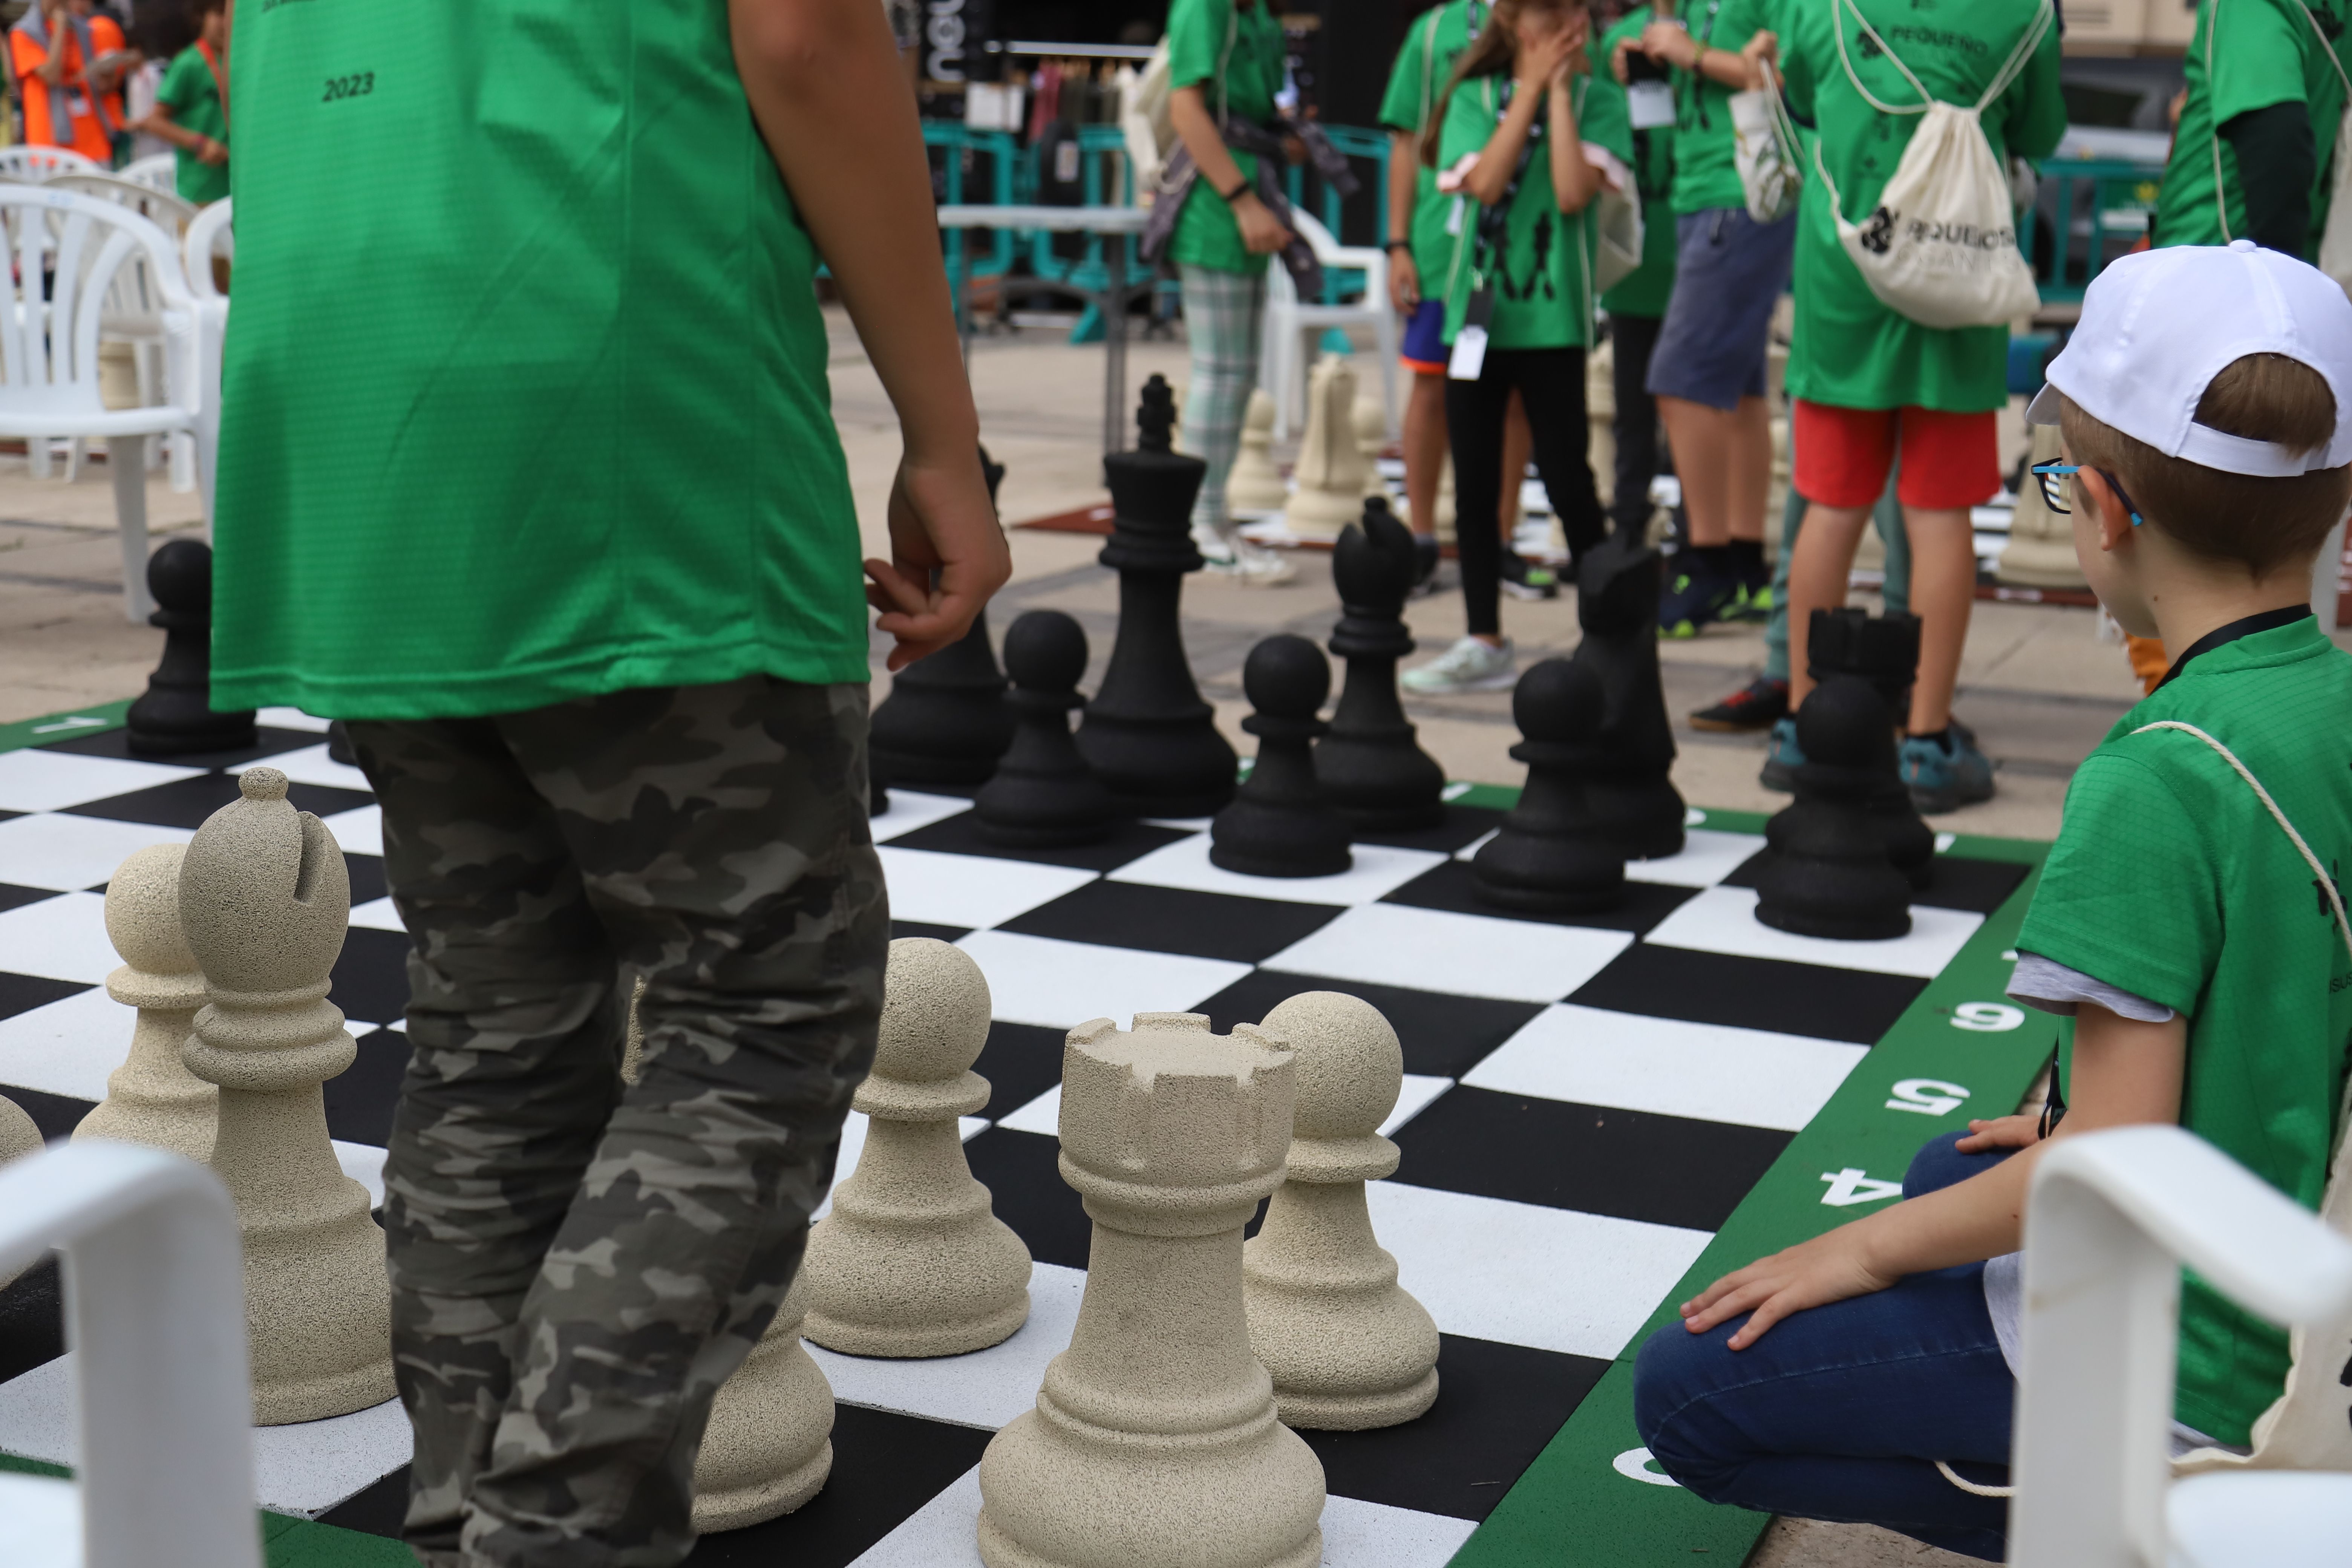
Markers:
point(1371, 417)
point(152, 1097)
point(1331, 475)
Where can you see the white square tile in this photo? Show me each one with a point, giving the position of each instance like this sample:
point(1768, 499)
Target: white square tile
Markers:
point(67, 1046)
point(1593, 1057)
point(358, 831)
point(1379, 871)
point(1707, 858)
point(852, 1143)
point(377, 914)
point(1060, 984)
point(942, 1534)
point(969, 890)
point(62, 938)
point(1042, 1115)
point(986, 1388)
point(310, 766)
point(1723, 920)
point(363, 1164)
point(1468, 955)
point(1412, 1100)
point(1551, 1279)
point(67, 852)
point(291, 719)
point(911, 809)
point(34, 780)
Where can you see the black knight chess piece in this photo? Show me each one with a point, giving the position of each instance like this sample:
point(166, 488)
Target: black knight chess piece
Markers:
point(1631, 796)
point(174, 718)
point(1278, 825)
point(1552, 855)
point(1371, 766)
point(1043, 793)
point(1147, 733)
point(1883, 650)
point(1828, 874)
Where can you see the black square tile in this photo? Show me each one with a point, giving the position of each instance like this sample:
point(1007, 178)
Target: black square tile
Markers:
point(1751, 993)
point(360, 1099)
point(23, 993)
point(1463, 826)
point(960, 834)
point(1443, 1036)
point(1021, 1062)
point(1630, 1164)
point(5, 815)
point(185, 803)
point(56, 1115)
point(32, 1320)
point(885, 1466)
point(1174, 919)
point(269, 741)
point(16, 897)
point(917, 928)
point(370, 981)
point(367, 878)
point(1022, 1172)
point(1452, 887)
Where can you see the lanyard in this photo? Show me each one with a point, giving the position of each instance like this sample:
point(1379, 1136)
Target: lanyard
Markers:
point(1494, 220)
point(220, 82)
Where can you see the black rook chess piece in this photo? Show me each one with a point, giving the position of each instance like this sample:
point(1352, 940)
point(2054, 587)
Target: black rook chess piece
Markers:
point(1278, 825)
point(1629, 795)
point(1043, 793)
point(175, 716)
point(1147, 733)
point(1828, 874)
point(1883, 650)
point(1373, 770)
point(1550, 856)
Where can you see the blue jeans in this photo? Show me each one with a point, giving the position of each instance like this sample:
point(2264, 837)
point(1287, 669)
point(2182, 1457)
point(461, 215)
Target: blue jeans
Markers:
point(1840, 1413)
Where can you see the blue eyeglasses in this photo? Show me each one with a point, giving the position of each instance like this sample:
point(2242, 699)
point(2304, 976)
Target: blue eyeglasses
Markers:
point(2053, 486)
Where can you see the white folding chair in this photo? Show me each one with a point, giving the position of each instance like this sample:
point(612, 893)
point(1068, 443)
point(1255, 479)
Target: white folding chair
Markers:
point(155, 1315)
point(158, 171)
point(2111, 1218)
point(1283, 358)
point(133, 316)
point(28, 165)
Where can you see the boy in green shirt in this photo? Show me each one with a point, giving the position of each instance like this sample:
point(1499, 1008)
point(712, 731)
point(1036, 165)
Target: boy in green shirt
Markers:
point(2205, 400)
point(192, 106)
point(2254, 153)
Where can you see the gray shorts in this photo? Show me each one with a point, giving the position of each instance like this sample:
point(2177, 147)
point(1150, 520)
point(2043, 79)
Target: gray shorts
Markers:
point(1729, 271)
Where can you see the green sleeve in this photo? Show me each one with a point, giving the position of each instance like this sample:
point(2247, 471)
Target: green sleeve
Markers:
point(179, 91)
point(1196, 40)
point(2130, 895)
point(1400, 106)
point(1604, 120)
point(2257, 58)
point(2034, 110)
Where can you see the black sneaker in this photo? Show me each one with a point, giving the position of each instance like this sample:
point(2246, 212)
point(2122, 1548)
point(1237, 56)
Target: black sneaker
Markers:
point(1524, 579)
point(1756, 706)
point(1425, 563)
point(1696, 592)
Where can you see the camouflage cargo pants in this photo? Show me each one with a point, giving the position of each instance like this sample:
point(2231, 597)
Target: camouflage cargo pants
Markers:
point(576, 1264)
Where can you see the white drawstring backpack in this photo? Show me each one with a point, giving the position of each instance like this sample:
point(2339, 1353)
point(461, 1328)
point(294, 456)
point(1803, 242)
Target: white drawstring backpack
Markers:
point(1764, 150)
point(1941, 247)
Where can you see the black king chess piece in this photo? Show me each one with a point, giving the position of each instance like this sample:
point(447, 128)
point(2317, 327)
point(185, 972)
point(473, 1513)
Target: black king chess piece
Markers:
point(1552, 855)
point(1883, 650)
point(1630, 796)
point(1147, 733)
point(1829, 874)
point(174, 718)
point(1278, 825)
point(1044, 795)
point(1373, 770)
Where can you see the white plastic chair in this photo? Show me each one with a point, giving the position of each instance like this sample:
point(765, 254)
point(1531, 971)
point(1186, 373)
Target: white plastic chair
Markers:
point(29, 165)
point(2111, 1218)
point(1283, 359)
point(69, 250)
point(158, 171)
point(155, 1314)
point(209, 236)
point(133, 312)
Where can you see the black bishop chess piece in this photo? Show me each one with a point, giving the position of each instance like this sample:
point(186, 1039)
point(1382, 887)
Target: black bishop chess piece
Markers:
point(1278, 825)
point(174, 718)
point(1044, 795)
point(1371, 766)
point(1552, 855)
point(946, 720)
point(1883, 650)
point(1828, 873)
point(1630, 795)
point(1147, 733)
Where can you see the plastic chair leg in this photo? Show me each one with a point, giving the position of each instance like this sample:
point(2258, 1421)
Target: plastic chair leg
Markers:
point(126, 460)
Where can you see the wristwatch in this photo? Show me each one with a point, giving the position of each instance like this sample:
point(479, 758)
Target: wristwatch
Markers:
point(1398, 245)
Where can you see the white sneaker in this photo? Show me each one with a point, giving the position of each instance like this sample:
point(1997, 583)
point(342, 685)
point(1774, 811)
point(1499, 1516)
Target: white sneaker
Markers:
point(1468, 666)
point(1237, 560)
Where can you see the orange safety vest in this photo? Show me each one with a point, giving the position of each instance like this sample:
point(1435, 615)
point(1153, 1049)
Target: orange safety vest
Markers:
point(65, 115)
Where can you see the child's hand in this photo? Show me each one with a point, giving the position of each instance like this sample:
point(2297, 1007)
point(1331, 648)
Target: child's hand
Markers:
point(1813, 1273)
point(2001, 1132)
point(1617, 58)
point(1544, 55)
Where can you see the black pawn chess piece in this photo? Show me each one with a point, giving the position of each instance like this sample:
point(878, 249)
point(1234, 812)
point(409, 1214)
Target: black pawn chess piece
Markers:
point(1550, 857)
point(1631, 796)
point(946, 720)
point(1372, 769)
point(1883, 650)
point(1828, 874)
point(1147, 733)
point(1043, 793)
point(175, 716)
point(1278, 825)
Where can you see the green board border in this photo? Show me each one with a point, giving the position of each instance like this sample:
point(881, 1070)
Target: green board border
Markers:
point(93, 720)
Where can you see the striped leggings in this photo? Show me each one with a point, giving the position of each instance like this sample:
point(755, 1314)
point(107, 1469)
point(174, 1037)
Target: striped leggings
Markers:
point(1222, 313)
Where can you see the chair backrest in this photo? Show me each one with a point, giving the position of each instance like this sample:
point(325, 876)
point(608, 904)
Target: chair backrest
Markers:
point(158, 171)
point(30, 165)
point(209, 236)
point(165, 208)
point(70, 251)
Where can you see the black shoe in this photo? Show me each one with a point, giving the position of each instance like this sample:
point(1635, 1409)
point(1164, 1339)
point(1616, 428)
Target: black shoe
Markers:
point(1425, 563)
point(1523, 579)
point(1756, 706)
point(1696, 592)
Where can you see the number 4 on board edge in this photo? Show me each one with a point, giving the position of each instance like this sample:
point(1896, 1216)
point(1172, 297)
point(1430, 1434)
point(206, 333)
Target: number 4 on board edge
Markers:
point(1850, 1186)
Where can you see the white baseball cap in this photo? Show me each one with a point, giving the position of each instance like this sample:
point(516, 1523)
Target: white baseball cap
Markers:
point(2160, 325)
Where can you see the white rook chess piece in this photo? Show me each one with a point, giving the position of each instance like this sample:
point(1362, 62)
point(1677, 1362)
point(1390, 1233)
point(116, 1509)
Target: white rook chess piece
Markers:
point(1329, 493)
point(1154, 1443)
point(152, 1097)
point(1255, 484)
point(2041, 549)
point(264, 900)
point(1347, 1347)
point(769, 1447)
point(913, 1261)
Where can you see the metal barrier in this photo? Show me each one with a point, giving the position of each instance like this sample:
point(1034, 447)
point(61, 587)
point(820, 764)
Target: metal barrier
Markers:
point(2086, 212)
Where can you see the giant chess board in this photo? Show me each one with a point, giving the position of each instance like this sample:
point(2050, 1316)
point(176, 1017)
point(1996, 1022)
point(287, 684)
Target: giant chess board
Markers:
point(1589, 1101)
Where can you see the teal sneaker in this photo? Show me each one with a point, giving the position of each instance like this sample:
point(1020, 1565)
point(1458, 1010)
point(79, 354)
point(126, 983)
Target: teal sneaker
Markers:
point(1943, 780)
point(1782, 758)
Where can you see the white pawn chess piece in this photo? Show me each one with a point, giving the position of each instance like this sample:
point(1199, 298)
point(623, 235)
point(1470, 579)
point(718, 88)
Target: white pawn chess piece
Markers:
point(18, 1138)
point(264, 902)
point(1328, 482)
point(1371, 420)
point(1441, 509)
point(913, 1261)
point(769, 1447)
point(1601, 416)
point(1154, 1442)
point(152, 1097)
point(1255, 484)
point(1347, 1347)
point(2041, 549)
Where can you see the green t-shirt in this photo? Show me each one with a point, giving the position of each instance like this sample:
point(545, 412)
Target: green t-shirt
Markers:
point(2170, 881)
point(1423, 66)
point(1704, 175)
point(525, 395)
point(1849, 349)
point(193, 96)
point(2247, 55)
point(1542, 280)
point(1248, 42)
point(1644, 290)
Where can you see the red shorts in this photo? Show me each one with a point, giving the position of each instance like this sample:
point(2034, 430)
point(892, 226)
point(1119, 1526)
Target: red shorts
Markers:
point(1949, 460)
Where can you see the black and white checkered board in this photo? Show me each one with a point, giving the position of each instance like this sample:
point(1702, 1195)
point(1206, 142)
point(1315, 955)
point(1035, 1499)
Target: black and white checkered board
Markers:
point(1587, 1100)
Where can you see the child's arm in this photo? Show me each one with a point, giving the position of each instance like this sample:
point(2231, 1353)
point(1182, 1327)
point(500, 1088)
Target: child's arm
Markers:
point(1575, 179)
point(160, 124)
point(2126, 1073)
point(1187, 112)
